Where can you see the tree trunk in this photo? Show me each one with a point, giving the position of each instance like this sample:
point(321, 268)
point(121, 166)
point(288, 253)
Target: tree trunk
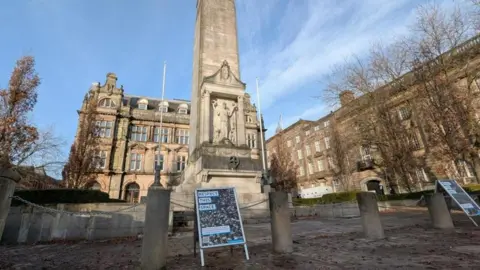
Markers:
point(476, 166)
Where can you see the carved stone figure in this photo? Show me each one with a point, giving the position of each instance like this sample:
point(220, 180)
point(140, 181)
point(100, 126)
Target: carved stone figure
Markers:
point(225, 72)
point(223, 118)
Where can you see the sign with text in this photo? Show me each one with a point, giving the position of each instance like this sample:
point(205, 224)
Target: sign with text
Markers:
point(218, 218)
point(458, 194)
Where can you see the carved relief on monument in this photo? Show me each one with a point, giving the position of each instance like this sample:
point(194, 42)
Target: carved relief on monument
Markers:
point(224, 120)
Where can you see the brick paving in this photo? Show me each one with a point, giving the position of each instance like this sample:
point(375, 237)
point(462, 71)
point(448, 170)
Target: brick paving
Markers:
point(318, 244)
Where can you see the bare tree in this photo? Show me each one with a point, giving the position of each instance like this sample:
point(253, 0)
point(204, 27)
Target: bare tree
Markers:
point(84, 158)
point(344, 163)
point(21, 143)
point(17, 135)
point(446, 83)
point(377, 121)
point(282, 168)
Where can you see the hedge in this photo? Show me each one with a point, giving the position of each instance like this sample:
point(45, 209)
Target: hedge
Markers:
point(351, 197)
point(55, 196)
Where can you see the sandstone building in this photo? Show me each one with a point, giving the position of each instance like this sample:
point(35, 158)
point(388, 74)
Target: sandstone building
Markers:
point(310, 143)
point(129, 127)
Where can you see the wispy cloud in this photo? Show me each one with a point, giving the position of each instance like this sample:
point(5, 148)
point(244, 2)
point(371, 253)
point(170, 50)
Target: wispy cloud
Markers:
point(309, 37)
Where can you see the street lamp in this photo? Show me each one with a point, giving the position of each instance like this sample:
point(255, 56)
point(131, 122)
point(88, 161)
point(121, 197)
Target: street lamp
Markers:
point(158, 169)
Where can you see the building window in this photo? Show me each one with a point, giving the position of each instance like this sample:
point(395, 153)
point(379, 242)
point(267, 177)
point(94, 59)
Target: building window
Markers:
point(158, 162)
point(330, 163)
point(307, 150)
point(132, 193)
point(320, 166)
point(107, 103)
point(297, 139)
point(139, 134)
point(415, 142)
point(94, 186)
point(162, 108)
point(464, 169)
point(365, 153)
point(316, 128)
point(249, 119)
point(181, 161)
point(182, 136)
point(135, 162)
point(142, 106)
point(299, 154)
point(164, 135)
point(327, 142)
point(101, 159)
point(289, 143)
point(317, 146)
point(251, 140)
point(301, 171)
point(326, 123)
point(421, 175)
point(310, 168)
point(404, 113)
point(104, 129)
point(307, 132)
point(182, 111)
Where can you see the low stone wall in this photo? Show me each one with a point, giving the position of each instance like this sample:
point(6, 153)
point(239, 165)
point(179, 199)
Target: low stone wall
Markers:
point(26, 224)
point(346, 210)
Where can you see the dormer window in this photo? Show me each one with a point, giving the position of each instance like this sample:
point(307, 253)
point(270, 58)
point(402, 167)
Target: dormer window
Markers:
point(163, 106)
point(142, 104)
point(183, 108)
point(107, 103)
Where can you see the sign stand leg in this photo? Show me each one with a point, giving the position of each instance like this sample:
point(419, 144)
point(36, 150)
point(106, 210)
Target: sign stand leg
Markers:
point(246, 252)
point(475, 223)
point(201, 257)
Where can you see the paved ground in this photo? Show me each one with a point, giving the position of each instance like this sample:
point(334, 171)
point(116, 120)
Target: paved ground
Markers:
point(319, 244)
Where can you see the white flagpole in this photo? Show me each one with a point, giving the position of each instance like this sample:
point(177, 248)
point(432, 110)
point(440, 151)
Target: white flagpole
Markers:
point(261, 128)
point(160, 133)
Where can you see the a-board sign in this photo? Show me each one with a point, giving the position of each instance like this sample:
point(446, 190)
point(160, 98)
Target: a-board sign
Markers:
point(458, 194)
point(219, 222)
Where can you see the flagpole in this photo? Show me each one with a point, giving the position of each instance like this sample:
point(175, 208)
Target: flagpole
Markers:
point(261, 128)
point(156, 181)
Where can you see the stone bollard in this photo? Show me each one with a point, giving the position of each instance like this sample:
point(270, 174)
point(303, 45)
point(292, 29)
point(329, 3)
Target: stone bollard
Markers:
point(8, 179)
point(280, 222)
point(155, 232)
point(371, 223)
point(438, 210)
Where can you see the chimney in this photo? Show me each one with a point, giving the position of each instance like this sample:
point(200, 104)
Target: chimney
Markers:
point(346, 97)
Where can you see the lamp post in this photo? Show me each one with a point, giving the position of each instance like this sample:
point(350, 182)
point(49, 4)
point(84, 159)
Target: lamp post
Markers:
point(158, 169)
point(265, 176)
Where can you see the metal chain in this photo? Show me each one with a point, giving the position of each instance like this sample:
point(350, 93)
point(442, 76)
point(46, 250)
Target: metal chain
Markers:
point(53, 210)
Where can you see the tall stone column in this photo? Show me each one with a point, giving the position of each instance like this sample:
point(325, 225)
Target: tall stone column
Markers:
point(155, 232)
point(205, 128)
point(241, 122)
point(8, 180)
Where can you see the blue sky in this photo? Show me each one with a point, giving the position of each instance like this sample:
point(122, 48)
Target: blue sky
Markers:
point(289, 44)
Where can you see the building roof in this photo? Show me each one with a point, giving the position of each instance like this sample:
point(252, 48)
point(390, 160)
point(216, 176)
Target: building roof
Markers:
point(153, 103)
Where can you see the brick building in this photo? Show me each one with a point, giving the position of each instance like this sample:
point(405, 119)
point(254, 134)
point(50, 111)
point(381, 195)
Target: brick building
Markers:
point(310, 143)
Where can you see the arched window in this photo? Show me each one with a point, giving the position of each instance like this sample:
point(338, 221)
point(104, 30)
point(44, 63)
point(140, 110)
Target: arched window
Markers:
point(107, 103)
point(132, 193)
point(94, 185)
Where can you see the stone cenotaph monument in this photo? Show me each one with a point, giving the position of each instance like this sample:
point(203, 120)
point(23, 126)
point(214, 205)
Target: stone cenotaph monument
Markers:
point(224, 131)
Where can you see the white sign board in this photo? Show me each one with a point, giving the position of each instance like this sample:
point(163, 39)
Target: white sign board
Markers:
point(458, 194)
point(219, 222)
